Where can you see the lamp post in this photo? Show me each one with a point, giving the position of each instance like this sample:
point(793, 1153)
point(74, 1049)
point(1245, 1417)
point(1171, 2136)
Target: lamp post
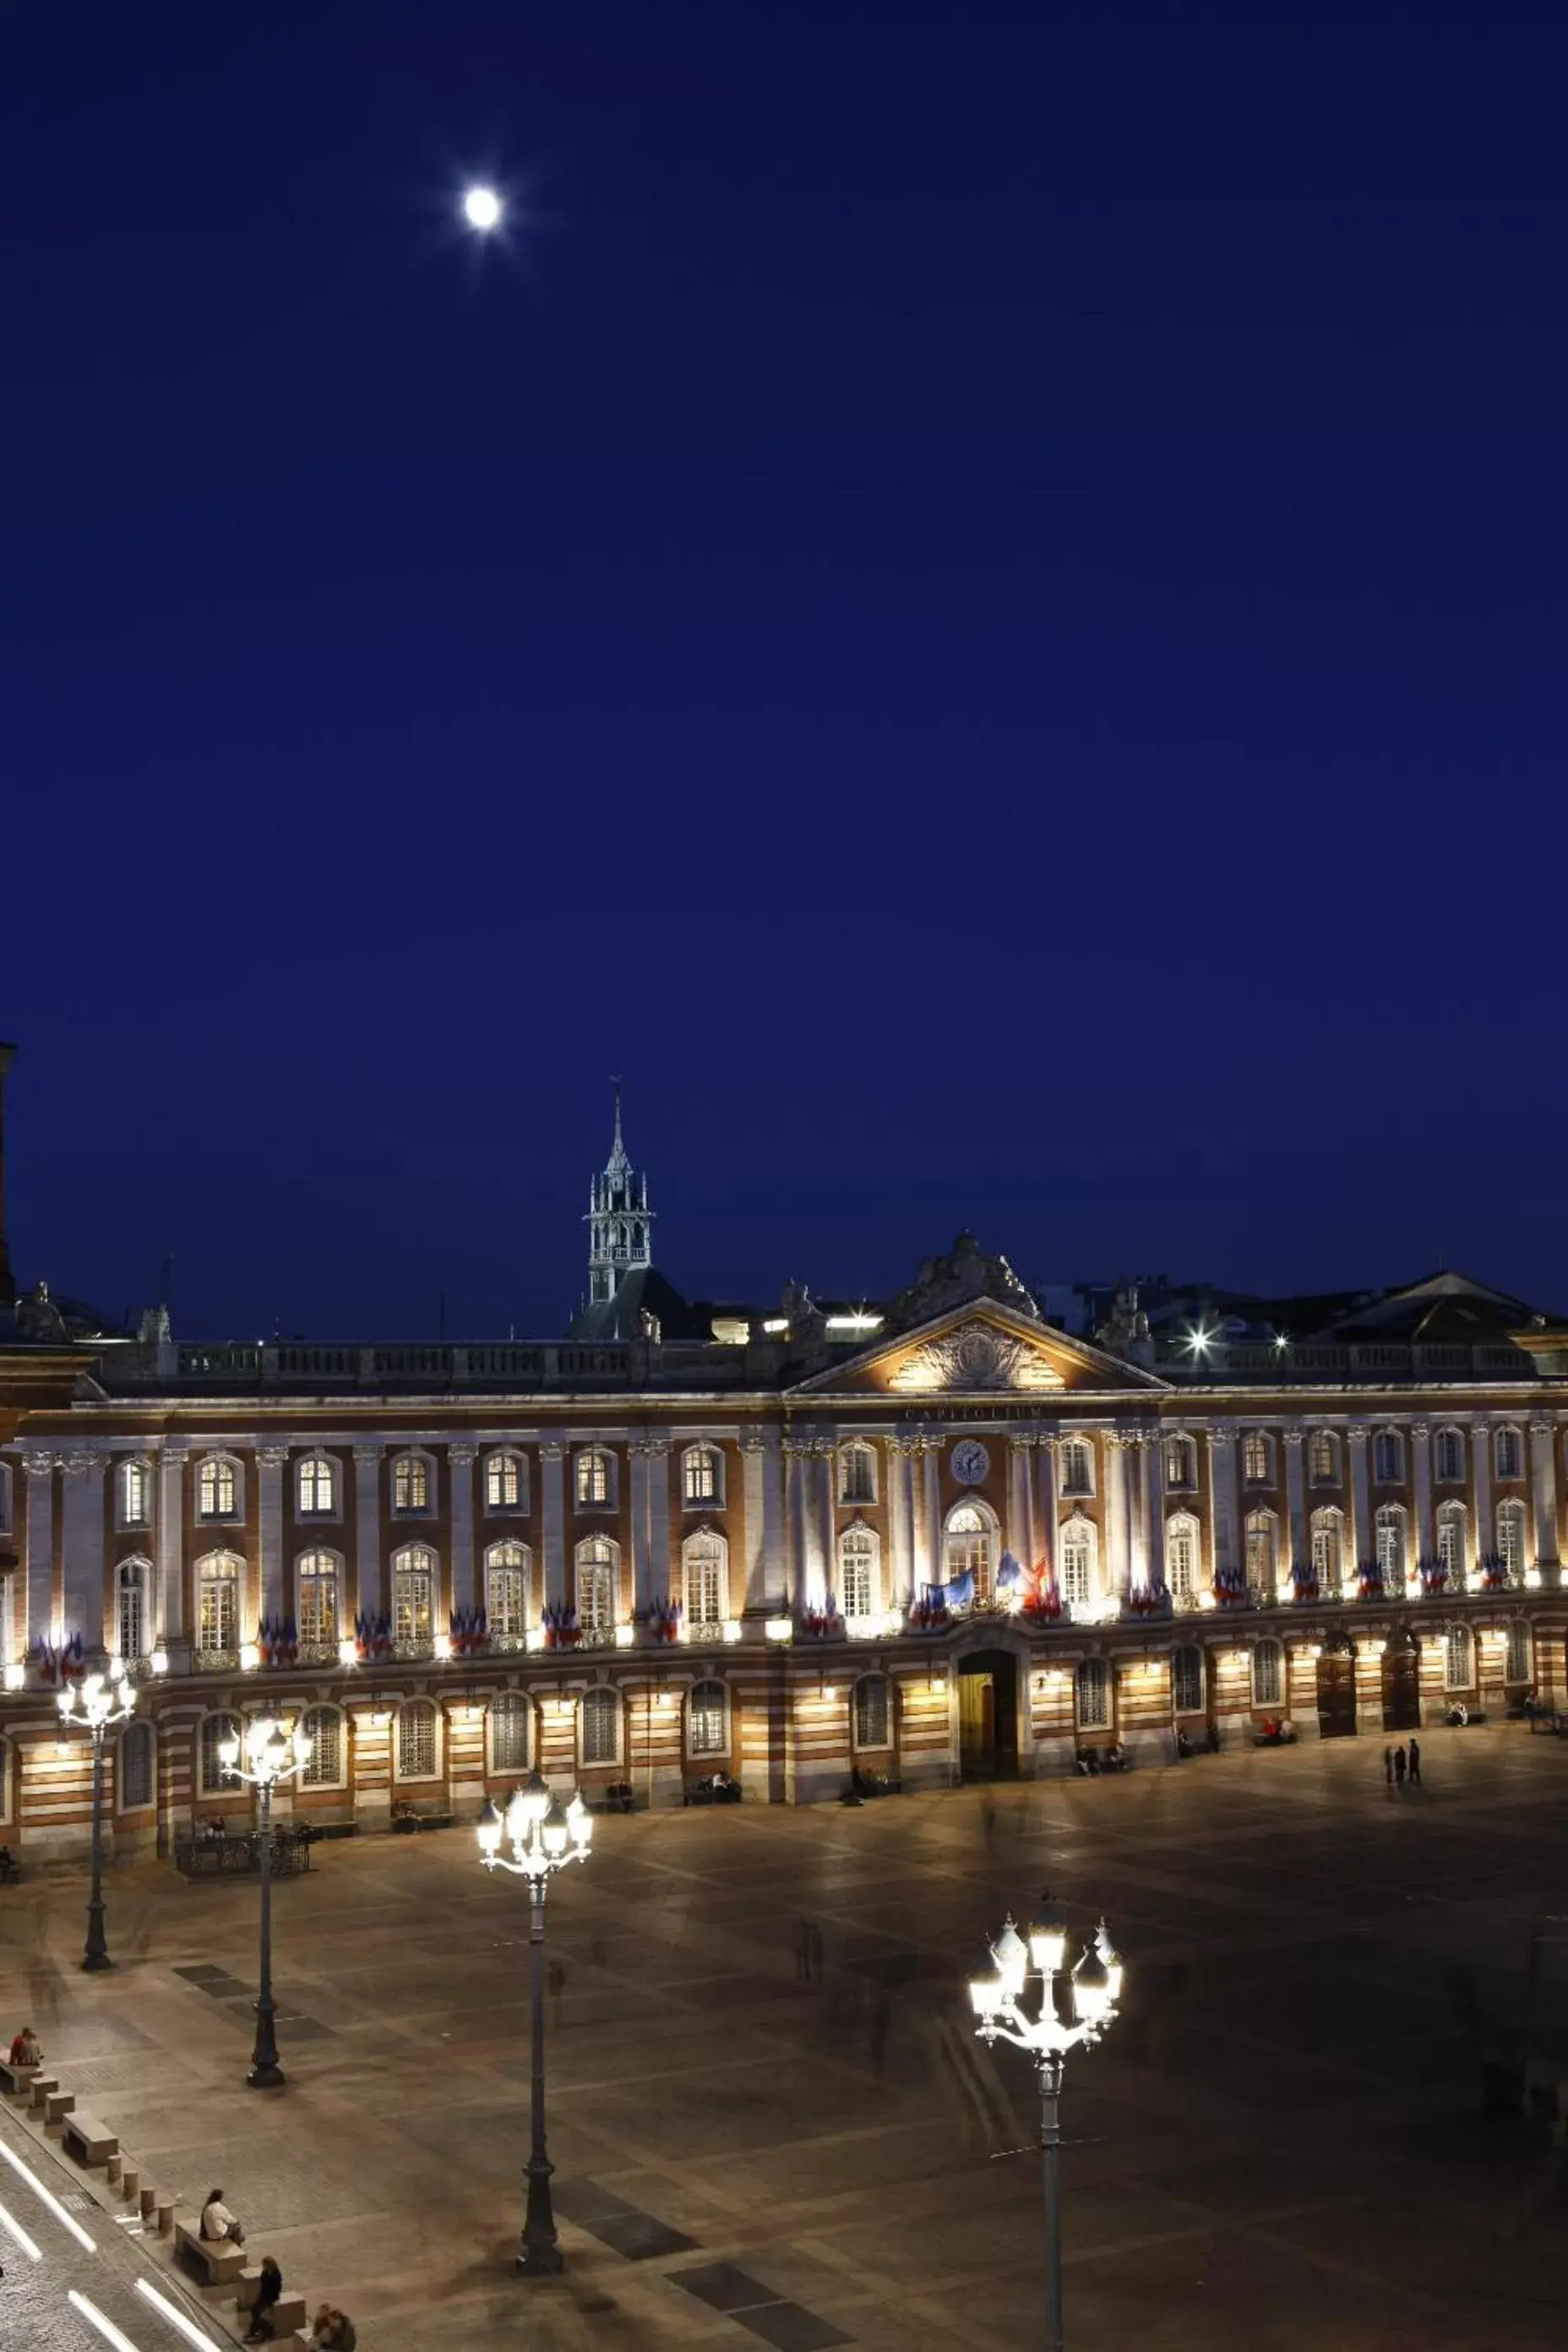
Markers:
point(98, 1703)
point(544, 1836)
point(1094, 1989)
point(274, 1754)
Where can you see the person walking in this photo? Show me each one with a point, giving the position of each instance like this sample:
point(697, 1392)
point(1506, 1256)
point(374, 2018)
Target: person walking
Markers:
point(1414, 1765)
point(1388, 1766)
point(802, 1949)
point(1399, 1766)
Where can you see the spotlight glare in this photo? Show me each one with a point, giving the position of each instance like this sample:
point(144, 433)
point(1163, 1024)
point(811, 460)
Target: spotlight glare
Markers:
point(482, 209)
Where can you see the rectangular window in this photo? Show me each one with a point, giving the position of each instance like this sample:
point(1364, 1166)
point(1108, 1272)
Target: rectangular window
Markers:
point(135, 1766)
point(129, 1628)
point(1268, 1675)
point(706, 1733)
point(410, 1483)
point(857, 1475)
point(503, 1483)
point(601, 1718)
point(1510, 1455)
point(218, 1622)
point(1188, 1682)
point(135, 1494)
point(593, 1478)
point(319, 1606)
point(217, 1491)
point(871, 1711)
point(506, 1601)
point(1074, 1572)
point(1255, 1463)
point(1325, 1458)
point(1077, 1468)
point(325, 1767)
point(417, 1741)
point(1093, 1695)
point(315, 1487)
point(1450, 1457)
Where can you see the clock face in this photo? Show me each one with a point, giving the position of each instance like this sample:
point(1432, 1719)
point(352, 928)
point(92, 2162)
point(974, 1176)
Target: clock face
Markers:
point(969, 1461)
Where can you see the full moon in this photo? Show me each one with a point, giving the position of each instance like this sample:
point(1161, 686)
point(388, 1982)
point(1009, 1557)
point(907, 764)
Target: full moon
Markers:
point(481, 208)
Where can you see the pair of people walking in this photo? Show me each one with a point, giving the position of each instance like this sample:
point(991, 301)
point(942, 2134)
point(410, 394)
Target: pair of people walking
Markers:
point(1399, 1764)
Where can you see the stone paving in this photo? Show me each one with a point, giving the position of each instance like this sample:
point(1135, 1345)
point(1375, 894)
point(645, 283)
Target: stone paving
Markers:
point(1282, 2142)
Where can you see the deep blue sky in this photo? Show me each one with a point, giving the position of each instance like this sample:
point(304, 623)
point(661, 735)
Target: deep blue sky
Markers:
point(976, 603)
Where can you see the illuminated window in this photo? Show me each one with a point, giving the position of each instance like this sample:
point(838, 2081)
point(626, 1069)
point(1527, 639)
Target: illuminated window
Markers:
point(971, 1545)
point(599, 1717)
point(1448, 1456)
point(1187, 1681)
point(1390, 1538)
point(1093, 1695)
point(324, 1727)
point(135, 1494)
point(1509, 1452)
point(317, 1608)
point(707, 1720)
point(1077, 1466)
point(598, 1565)
point(506, 1483)
point(1257, 1458)
point(596, 1478)
point(316, 1486)
point(416, 1739)
point(135, 1766)
point(1078, 1560)
point(506, 1590)
point(217, 1603)
point(857, 1572)
point(1459, 1658)
point(214, 1777)
point(510, 1720)
point(1388, 1457)
point(1328, 1551)
point(1520, 1666)
point(1268, 1675)
point(1181, 1465)
point(856, 1473)
point(1510, 1537)
point(1451, 1541)
point(1180, 1555)
point(1262, 1548)
point(701, 1476)
point(870, 1714)
point(216, 1490)
point(1324, 1456)
point(411, 1483)
point(702, 1561)
point(413, 1595)
point(130, 1608)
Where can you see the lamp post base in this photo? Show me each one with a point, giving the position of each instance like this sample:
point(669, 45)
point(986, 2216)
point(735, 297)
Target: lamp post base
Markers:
point(539, 2255)
point(269, 2076)
point(540, 2262)
point(92, 1961)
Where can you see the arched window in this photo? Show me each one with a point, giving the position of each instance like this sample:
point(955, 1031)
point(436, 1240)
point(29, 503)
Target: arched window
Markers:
point(971, 1545)
point(870, 1714)
point(217, 1488)
point(702, 1477)
point(598, 1577)
point(416, 1739)
point(217, 1603)
point(856, 1471)
point(509, 1720)
point(506, 1481)
point(1324, 1456)
point(1520, 1663)
point(1508, 1452)
point(1181, 1465)
point(1510, 1537)
point(858, 1572)
point(131, 1585)
point(1388, 1457)
point(1451, 1541)
point(1188, 1680)
point(324, 1727)
point(1458, 1659)
point(1093, 1690)
point(596, 1476)
point(1262, 1550)
point(1328, 1551)
point(134, 1495)
point(708, 1721)
point(316, 1486)
point(1268, 1675)
point(1182, 1556)
point(1449, 1457)
point(506, 1591)
point(1076, 1458)
point(599, 1721)
point(413, 1596)
point(214, 1778)
point(1077, 1555)
point(318, 1578)
point(1390, 1538)
point(1257, 1458)
point(412, 1485)
point(135, 1766)
point(704, 1565)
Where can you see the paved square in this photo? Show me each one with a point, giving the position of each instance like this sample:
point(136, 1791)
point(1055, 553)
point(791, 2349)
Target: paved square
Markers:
point(1280, 2145)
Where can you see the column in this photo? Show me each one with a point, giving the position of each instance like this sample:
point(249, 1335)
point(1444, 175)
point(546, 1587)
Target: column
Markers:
point(1112, 1457)
point(775, 1565)
point(642, 1591)
point(1047, 1516)
point(931, 1451)
point(1486, 1525)
point(270, 1462)
point(369, 1596)
point(1154, 1509)
point(553, 1484)
point(38, 1624)
point(1227, 1531)
point(896, 1567)
point(1544, 1481)
point(1361, 1497)
point(660, 1566)
point(755, 1584)
point(1019, 1449)
point(1132, 1446)
point(170, 1603)
point(828, 1507)
point(1421, 1458)
point(460, 1460)
point(81, 1546)
point(1295, 1501)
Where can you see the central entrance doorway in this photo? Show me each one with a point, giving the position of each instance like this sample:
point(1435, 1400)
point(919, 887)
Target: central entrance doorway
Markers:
point(988, 1715)
point(1336, 1689)
point(1402, 1684)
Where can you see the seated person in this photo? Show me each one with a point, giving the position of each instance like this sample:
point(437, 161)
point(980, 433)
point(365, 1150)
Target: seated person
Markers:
point(217, 2221)
point(27, 2050)
point(1115, 1757)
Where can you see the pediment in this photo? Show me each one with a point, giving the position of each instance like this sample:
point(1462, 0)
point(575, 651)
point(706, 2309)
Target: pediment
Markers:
point(982, 1349)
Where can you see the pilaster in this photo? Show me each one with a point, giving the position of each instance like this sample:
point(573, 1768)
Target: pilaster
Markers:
point(773, 1570)
point(81, 1531)
point(270, 1462)
point(1020, 1460)
point(1154, 1509)
point(1361, 1498)
point(1048, 1517)
point(1543, 1482)
point(1295, 1504)
point(1227, 1533)
point(460, 1460)
point(930, 1454)
point(552, 1494)
point(661, 1569)
point(370, 1593)
point(642, 1590)
point(39, 1624)
point(170, 1605)
point(1486, 1519)
point(1421, 1460)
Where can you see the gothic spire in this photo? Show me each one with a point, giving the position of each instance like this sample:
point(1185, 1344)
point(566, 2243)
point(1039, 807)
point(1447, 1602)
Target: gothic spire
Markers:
point(619, 1220)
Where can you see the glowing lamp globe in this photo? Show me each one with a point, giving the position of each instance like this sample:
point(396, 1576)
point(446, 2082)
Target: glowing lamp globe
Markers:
point(482, 209)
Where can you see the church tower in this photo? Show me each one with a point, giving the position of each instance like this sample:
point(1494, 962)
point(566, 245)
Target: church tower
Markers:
point(619, 1221)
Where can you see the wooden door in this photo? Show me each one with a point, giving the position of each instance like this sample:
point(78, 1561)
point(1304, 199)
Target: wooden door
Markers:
point(976, 1727)
point(1336, 1694)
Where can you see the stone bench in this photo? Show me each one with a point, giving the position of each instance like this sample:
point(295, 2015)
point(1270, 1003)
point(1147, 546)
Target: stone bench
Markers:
point(287, 2312)
point(416, 1817)
point(38, 2090)
point(57, 2105)
point(219, 2259)
point(90, 2141)
point(18, 2081)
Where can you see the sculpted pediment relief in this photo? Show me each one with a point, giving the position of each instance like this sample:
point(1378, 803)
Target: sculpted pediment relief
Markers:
point(984, 1349)
point(975, 1356)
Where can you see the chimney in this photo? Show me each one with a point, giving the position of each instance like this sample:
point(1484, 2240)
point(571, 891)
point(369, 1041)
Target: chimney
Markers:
point(7, 1281)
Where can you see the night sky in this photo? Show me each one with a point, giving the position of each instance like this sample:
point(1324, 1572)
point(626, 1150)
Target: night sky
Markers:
point(976, 600)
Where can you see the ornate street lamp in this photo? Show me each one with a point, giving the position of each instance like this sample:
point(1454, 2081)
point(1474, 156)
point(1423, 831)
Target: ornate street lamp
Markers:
point(1094, 1989)
point(98, 1703)
point(273, 1754)
point(544, 1836)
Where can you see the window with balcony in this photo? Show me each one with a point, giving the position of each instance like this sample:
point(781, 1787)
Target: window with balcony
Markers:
point(969, 1545)
point(1078, 1556)
point(506, 1591)
point(1182, 1556)
point(414, 1597)
point(1451, 1546)
point(131, 1581)
point(1389, 1528)
point(217, 1603)
point(598, 1576)
point(318, 1578)
point(1511, 1537)
point(704, 1559)
point(858, 1573)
